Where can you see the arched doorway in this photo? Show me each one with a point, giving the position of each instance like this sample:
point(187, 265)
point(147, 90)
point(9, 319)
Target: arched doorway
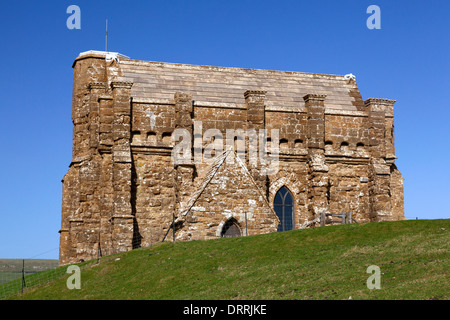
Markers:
point(230, 229)
point(283, 205)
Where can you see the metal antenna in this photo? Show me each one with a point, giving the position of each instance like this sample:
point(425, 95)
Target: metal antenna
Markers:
point(106, 37)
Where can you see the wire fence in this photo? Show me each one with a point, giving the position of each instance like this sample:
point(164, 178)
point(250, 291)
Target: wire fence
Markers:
point(16, 275)
point(19, 275)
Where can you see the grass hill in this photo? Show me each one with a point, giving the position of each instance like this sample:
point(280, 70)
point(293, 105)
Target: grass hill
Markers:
point(321, 263)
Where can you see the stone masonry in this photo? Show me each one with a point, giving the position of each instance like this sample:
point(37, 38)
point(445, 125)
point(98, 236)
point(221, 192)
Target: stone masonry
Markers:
point(123, 188)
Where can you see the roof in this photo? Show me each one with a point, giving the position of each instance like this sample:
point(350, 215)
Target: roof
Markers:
point(160, 80)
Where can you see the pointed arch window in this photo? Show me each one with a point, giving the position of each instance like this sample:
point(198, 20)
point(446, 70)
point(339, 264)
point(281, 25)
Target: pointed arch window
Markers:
point(284, 208)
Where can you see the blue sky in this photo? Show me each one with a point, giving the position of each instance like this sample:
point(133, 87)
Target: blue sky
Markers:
point(406, 60)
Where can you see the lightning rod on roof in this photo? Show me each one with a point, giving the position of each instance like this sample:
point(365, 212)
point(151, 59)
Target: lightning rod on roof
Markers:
point(106, 36)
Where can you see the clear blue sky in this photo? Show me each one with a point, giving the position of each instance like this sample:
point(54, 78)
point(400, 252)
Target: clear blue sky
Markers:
point(406, 60)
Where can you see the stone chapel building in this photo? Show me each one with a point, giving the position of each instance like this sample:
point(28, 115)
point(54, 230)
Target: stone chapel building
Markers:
point(123, 188)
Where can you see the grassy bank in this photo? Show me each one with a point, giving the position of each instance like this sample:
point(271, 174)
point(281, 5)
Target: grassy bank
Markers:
point(321, 263)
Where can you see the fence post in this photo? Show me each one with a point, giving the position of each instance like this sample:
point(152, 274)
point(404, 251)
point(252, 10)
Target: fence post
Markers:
point(246, 230)
point(23, 275)
point(151, 242)
point(98, 247)
point(173, 225)
point(322, 219)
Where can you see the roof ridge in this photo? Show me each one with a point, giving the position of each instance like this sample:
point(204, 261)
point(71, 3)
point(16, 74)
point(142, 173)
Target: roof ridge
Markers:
point(202, 66)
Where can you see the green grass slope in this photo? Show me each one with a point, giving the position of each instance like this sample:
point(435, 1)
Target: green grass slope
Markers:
point(321, 263)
